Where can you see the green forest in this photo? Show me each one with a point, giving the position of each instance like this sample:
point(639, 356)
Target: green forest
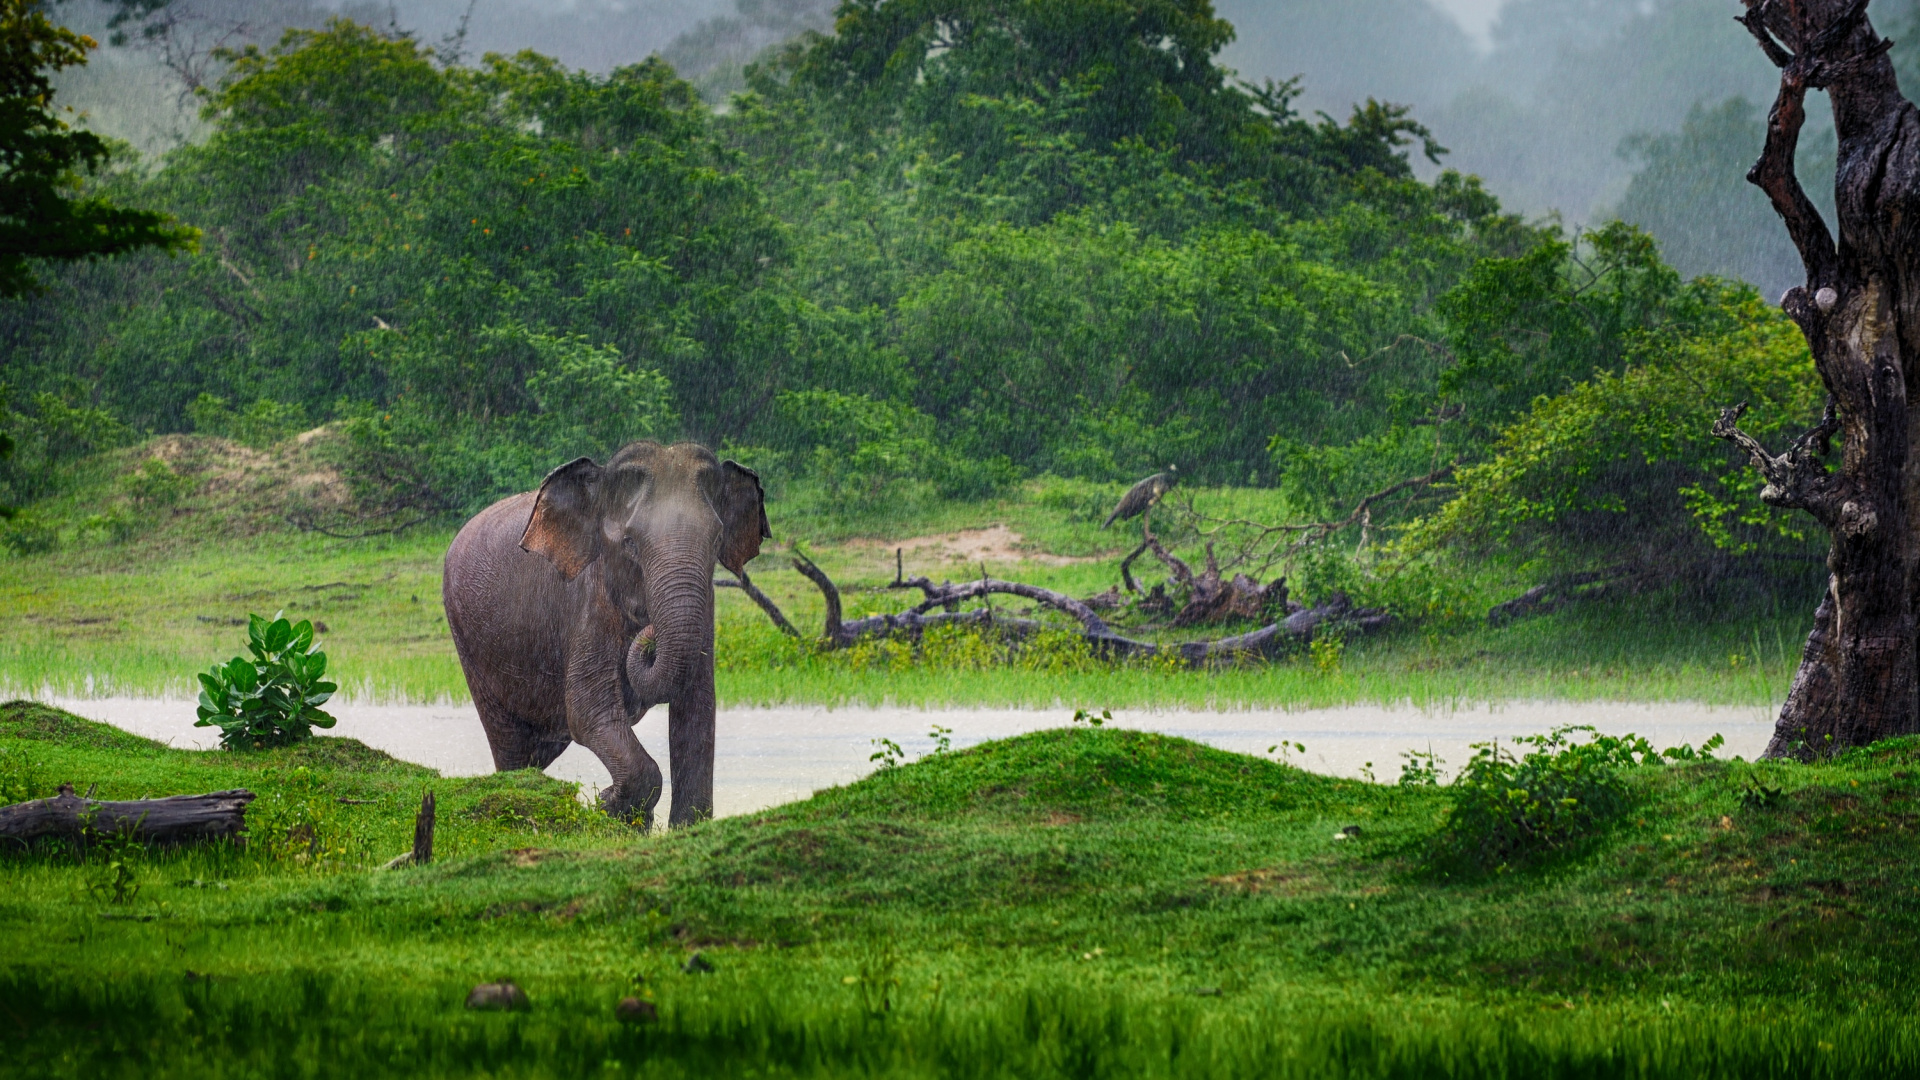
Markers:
point(958, 289)
point(946, 250)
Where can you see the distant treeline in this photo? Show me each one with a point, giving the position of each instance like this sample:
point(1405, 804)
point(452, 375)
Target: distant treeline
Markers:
point(955, 244)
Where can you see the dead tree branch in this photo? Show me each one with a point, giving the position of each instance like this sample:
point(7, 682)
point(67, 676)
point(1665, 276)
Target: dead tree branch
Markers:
point(1266, 642)
point(1797, 479)
point(1562, 590)
point(1262, 546)
point(746, 585)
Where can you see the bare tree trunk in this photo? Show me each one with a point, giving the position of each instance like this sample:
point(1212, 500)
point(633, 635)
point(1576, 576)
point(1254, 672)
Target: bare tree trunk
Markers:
point(1860, 313)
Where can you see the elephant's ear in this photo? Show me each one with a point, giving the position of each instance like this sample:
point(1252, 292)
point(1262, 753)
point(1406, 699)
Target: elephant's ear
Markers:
point(743, 510)
point(565, 526)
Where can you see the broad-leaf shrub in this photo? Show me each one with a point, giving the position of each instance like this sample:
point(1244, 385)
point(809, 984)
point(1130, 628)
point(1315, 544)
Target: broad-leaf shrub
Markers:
point(1512, 811)
point(273, 699)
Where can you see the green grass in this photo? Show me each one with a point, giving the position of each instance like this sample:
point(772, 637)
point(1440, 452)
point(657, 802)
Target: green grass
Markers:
point(142, 615)
point(127, 621)
point(1069, 903)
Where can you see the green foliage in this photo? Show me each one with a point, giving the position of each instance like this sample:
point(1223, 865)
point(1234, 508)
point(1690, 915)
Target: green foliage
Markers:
point(273, 699)
point(27, 533)
point(114, 859)
point(1138, 900)
point(48, 160)
point(1631, 452)
point(951, 245)
point(261, 424)
point(48, 434)
point(536, 805)
point(1420, 769)
point(155, 485)
point(22, 777)
point(1555, 799)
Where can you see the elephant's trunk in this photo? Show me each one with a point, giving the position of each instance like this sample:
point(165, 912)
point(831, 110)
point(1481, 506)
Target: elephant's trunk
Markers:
point(680, 608)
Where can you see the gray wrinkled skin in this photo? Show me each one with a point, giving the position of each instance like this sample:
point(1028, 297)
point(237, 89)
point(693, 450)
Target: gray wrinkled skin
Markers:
point(577, 608)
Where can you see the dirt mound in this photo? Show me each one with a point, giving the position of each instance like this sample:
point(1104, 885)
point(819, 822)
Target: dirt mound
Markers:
point(244, 488)
point(995, 544)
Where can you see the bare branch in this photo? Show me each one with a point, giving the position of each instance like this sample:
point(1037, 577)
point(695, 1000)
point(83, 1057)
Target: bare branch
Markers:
point(1126, 567)
point(746, 585)
point(827, 589)
point(1267, 641)
point(1796, 479)
point(1755, 22)
point(941, 595)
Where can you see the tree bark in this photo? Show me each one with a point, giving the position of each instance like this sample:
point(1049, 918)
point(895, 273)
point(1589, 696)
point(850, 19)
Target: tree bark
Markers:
point(1860, 313)
point(179, 818)
point(423, 832)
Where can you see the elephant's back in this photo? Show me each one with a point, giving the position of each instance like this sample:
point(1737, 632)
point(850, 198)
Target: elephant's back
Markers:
point(490, 583)
point(484, 548)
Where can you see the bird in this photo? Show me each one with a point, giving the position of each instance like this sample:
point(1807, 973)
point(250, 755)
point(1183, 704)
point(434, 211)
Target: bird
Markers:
point(1141, 496)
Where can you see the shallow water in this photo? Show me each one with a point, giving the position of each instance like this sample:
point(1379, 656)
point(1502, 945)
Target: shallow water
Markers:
point(771, 756)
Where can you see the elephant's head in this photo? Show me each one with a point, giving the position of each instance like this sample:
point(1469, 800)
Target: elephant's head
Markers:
point(660, 517)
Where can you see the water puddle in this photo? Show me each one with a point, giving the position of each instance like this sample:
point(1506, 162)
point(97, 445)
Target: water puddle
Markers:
point(769, 756)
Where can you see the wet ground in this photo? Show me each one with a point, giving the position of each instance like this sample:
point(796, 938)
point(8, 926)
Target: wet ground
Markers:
point(772, 756)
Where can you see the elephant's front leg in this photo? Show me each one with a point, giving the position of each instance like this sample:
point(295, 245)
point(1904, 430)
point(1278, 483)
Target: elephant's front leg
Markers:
point(597, 719)
point(690, 724)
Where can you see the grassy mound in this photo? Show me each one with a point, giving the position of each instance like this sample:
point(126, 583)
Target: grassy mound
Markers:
point(1069, 903)
point(1074, 774)
point(33, 722)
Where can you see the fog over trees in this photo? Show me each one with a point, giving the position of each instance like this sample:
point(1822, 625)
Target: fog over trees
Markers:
point(1589, 109)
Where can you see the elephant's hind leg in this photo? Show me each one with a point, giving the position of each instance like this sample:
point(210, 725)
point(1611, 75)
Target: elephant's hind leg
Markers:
point(516, 743)
point(546, 752)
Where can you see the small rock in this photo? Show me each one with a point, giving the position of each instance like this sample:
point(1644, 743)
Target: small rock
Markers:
point(633, 1010)
point(501, 996)
point(697, 965)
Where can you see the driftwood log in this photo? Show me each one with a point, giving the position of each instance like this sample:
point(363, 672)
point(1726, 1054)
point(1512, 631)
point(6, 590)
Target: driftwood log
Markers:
point(1298, 627)
point(175, 819)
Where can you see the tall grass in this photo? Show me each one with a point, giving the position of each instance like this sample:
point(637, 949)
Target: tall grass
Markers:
point(142, 618)
point(320, 1024)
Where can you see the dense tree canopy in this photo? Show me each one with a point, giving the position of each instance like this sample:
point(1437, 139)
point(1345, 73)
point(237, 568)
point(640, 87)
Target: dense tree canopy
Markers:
point(953, 244)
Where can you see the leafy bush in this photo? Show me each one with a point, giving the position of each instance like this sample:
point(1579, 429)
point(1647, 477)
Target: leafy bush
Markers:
point(1510, 811)
point(155, 484)
point(273, 699)
point(28, 534)
point(259, 425)
point(115, 525)
point(49, 434)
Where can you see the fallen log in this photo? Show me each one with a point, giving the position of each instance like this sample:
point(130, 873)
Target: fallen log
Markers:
point(1542, 599)
point(174, 819)
point(1297, 628)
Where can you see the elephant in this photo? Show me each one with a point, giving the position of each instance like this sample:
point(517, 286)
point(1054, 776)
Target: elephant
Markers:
point(578, 607)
